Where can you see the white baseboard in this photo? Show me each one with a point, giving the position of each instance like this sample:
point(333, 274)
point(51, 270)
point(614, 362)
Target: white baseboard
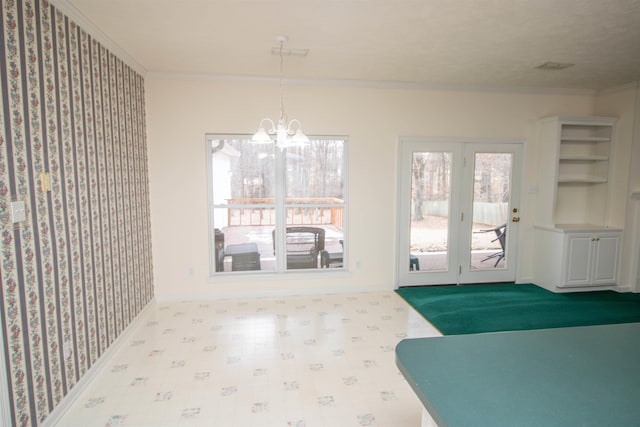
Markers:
point(65, 404)
point(213, 295)
point(5, 403)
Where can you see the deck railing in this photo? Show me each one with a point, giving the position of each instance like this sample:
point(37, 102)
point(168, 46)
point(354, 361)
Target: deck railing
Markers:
point(300, 211)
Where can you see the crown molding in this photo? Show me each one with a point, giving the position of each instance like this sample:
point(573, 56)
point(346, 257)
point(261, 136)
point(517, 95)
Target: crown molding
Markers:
point(87, 25)
point(620, 88)
point(372, 84)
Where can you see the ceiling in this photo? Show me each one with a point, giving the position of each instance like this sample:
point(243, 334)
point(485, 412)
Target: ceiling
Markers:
point(460, 43)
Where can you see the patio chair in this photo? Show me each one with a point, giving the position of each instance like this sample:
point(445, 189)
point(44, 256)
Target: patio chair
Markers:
point(303, 245)
point(327, 259)
point(219, 249)
point(501, 237)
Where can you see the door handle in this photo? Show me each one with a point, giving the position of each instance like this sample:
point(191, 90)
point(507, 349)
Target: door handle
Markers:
point(515, 219)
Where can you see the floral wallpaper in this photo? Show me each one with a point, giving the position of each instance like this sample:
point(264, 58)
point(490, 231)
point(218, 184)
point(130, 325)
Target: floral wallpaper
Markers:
point(78, 270)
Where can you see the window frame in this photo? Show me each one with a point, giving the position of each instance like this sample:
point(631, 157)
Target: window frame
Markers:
point(280, 207)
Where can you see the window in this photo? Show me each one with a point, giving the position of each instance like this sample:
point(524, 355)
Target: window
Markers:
point(273, 210)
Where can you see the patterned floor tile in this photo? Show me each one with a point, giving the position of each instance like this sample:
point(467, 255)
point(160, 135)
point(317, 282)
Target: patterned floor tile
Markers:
point(322, 360)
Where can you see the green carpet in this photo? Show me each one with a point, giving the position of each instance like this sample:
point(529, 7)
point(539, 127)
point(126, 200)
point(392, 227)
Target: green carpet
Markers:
point(472, 309)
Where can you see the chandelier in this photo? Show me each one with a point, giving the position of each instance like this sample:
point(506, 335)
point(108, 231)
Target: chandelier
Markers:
point(286, 134)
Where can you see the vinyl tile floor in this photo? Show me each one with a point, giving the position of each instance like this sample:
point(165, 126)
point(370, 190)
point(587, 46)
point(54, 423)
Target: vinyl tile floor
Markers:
point(302, 361)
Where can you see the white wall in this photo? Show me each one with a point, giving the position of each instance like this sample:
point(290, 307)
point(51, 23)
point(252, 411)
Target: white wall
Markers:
point(624, 103)
point(181, 110)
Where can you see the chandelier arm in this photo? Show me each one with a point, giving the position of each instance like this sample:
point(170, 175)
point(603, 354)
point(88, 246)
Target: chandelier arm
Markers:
point(290, 129)
point(273, 126)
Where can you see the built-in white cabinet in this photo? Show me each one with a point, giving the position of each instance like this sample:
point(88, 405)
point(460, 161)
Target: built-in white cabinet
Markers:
point(575, 258)
point(576, 246)
point(591, 259)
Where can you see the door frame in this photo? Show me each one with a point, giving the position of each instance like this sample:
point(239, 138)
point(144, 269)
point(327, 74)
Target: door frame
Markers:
point(404, 186)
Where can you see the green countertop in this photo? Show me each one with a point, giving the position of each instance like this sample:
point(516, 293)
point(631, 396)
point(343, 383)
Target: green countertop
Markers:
point(582, 376)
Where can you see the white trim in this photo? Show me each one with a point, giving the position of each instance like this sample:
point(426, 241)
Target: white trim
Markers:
point(65, 404)
point(376, 84)
point(322, 290)
point(634, 278)
point(86, 24)
point(288, 275)
point(526, 279)
point(5, 403)
point(461, 139)
point(616, 89)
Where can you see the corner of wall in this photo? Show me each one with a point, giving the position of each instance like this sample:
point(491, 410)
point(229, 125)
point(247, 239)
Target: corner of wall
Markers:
point(624, 102)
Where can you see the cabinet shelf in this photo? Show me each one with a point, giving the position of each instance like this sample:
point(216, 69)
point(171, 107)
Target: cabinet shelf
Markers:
point(581, 179)
point(585, 158)
point(585, 139)
point(582, 228)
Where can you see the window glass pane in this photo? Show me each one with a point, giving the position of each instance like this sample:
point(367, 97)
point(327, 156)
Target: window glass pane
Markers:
point(242, 246)
point(243, 191)
point(316, 171)
point(315, 204)
point(322, 226)
point(243, 173)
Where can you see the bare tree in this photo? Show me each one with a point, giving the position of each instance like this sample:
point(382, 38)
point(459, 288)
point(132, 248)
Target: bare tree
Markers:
point(418, 186)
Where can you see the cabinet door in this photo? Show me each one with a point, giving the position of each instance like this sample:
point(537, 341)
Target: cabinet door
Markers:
point(578, 265)
point(605, 266)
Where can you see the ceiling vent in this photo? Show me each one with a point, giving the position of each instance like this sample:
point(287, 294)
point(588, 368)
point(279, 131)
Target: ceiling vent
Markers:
point(554, 66)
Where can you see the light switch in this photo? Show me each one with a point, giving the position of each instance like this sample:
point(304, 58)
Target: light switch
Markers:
point(45, 181)
point(18, 211)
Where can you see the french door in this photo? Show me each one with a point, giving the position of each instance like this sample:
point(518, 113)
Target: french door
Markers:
point(458, 212)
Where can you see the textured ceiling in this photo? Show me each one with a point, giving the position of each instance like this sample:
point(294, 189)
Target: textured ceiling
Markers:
point(485, 43)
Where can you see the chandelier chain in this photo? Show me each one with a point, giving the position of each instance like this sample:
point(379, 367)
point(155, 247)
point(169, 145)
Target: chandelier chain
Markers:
point(286, 134)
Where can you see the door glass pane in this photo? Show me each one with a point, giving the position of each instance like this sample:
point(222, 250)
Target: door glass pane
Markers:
point(430, 204)
point(491, 193)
